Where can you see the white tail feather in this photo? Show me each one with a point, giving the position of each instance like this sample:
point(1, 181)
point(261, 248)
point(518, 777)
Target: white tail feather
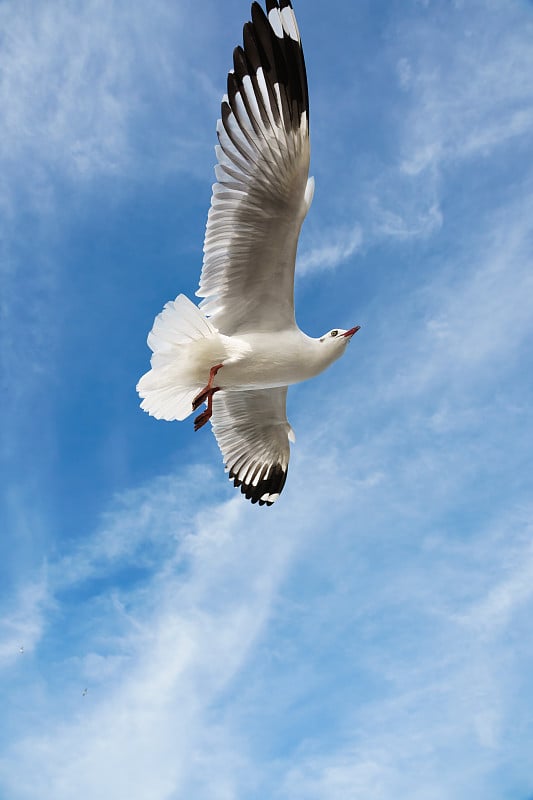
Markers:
point(166, 402)
point(180, 322)
point(168, 388)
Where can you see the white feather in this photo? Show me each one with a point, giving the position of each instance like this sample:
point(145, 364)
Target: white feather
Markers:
point(289, 23)
point(180, 334)
point(275, 22)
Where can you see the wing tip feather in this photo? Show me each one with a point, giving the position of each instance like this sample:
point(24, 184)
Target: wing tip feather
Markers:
point(264, 491)
point(271, 43)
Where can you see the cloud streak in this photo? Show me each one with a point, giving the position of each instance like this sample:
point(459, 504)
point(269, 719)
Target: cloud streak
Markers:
point(155, 655)
point(79, 92)
point(74, 93)
point(457, 104)
point(448, 702)
point(334, 249)
point(454, 117)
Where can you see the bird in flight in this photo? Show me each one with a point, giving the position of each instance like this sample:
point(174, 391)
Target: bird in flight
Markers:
point(238, 352)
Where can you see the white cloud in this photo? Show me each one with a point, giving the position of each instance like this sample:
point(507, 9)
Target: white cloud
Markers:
point(74, 81)
point(468, 321)
point(156, 655)
point(467, 94)
point(511, 589)
point(419, 216)
point(159, 651)
point(334, 248)
point(434, 703)
point(22, 624)
point(105, 90)
point(86, 92)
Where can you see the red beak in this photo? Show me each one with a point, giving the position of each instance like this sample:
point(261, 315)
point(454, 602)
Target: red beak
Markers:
point(352, 331)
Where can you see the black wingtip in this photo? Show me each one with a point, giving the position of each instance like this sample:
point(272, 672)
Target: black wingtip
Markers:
point(269, 486)
point(282, 60)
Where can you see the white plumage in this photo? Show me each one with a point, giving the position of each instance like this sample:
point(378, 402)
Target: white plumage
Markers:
point(242, 348)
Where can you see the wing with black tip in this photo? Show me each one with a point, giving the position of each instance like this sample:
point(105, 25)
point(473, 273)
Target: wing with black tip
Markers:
point(262, 192)
point(253, 434)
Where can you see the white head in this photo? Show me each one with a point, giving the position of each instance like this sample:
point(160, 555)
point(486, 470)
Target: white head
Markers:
point(334, 342)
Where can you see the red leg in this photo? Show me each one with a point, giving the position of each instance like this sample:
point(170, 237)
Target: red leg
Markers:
point(202, 396)
point(206, 415)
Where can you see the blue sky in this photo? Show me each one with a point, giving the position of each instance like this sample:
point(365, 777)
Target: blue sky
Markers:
point(370, 635)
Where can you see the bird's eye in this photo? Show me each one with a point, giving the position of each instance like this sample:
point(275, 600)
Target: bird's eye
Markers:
point(334, 333)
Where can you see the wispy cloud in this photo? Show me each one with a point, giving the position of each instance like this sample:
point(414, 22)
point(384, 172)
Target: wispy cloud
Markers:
point(477, 309)
point(420, 215)
point(91, 97)
point(335, 248)
point(511, 590)
point(75, 87)
point(22, 624)
point(461, 81)
point(155, 655)
point(440, 723)
point(458, 100)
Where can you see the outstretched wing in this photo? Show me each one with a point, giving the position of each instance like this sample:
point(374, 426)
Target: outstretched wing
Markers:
point(253, 434)
point(263, 193)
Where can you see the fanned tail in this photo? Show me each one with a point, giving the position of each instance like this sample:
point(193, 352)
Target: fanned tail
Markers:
point(169, 387)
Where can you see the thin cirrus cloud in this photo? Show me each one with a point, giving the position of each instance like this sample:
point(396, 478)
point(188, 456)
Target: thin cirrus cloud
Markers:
point(23, 623)
point(74, 93)
point(448, 118)
point(339, 246)
point(154, 655)
point(477, 316)
point(453, 116)
point(78, 100)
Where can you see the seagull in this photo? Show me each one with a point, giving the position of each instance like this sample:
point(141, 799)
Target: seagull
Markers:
point(240, 349)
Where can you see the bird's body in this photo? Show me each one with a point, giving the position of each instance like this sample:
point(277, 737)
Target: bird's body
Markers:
point(184, 353)
point(266, 360)
point(242, 348)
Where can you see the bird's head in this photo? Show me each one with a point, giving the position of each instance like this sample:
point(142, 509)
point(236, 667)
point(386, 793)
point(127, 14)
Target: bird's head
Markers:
point(338, 338)
point(334, 342)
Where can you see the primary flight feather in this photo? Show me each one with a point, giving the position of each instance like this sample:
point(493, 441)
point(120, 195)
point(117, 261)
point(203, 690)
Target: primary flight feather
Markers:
point(241, 348)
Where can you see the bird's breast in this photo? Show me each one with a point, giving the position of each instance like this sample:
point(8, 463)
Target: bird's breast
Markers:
point(267, 361)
